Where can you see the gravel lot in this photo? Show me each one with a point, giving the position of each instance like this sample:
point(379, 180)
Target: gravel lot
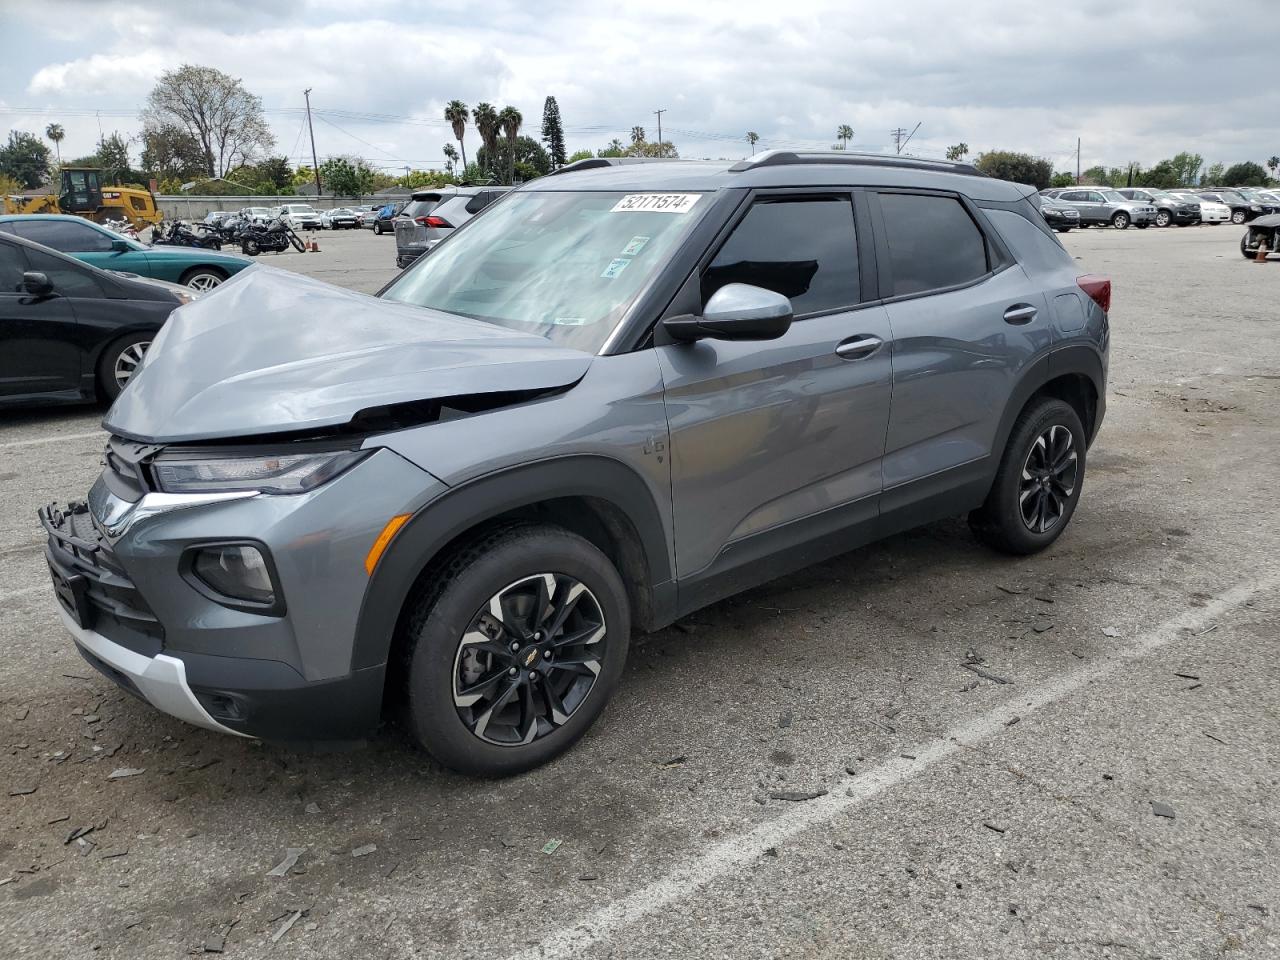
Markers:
point(961, 816)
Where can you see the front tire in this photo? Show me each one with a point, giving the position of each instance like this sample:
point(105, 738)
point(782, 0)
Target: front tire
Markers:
point(1163, 218)
point(120, 361)
point(203, 279)
point(250, 248)
point(1238, 217)
point(1038, 483)
point(513, 647)
point(377, 229)
point(1120, 221)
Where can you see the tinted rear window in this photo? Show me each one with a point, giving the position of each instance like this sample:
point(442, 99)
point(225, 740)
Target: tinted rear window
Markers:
point(420, 208)
point(933, 243)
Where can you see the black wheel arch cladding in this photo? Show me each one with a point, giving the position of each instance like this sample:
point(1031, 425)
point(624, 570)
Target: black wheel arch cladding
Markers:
point(467, 507)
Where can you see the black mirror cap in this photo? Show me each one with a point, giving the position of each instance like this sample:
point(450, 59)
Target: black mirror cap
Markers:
point(689, 328)
point(37, 284)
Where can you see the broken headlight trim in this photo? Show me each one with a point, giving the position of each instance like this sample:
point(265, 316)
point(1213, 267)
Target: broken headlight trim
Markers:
point(274, 473)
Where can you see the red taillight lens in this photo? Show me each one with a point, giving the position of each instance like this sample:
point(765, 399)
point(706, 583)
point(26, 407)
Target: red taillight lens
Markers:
point(438, 222)
point(1098, 288)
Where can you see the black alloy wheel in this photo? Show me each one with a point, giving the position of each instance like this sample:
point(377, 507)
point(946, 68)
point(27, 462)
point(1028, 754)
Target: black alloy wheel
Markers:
point(529, 659)
point(1048, 479)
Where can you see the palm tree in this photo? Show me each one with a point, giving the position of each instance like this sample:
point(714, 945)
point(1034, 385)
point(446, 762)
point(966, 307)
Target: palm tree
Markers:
point(844, 133)
point(55, 133)
point(753, 138)
point(617, 145)
point(486, 120)
point(637, 135)
point(456, 113)
point(510, 120)
point(1273, 165)
point(450, 156)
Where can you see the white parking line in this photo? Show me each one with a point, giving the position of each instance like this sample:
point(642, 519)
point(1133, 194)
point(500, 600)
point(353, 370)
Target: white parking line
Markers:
point(10, 444)
point(735, 852)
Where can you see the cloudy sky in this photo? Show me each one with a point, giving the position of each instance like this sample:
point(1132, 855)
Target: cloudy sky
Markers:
point(1135, 79)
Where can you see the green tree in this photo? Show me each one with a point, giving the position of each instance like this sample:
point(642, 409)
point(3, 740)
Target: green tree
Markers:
point(753, 138)
point(1063, 178)
point(1162, 176)
point(1018, 167)
point(347, 177)
point(665, 150)
point(216, 110)
point(510, 120)
point(170, 153)
point(1274, 165)
point(55, 133)
point(529, 161)
point(844, 133)
point(487, 125)
point(456, 113)
point(553, 132)
point(112, 157)
point(958, 152)
point(25, 159)
point(1246, 174)
point(275, 171)
point(579, 155)
point(614, 148)
point(1213, 175)
point(450, 156)
point(1187, 167)
point(637, 135)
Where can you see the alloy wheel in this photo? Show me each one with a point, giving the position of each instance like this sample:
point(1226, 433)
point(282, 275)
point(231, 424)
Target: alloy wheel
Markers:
point(1048, 479)
point(128, 362)
point(1162, 218)
point(529, 659)
point(204, 281)
point(1237, 217)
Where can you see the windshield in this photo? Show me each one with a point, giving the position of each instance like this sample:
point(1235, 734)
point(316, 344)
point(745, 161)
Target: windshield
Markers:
point(565, 266)
point(1114, 196)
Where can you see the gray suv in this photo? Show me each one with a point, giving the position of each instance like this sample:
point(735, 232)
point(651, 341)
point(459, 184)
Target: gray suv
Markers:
point(625, 392)
point(433, 214)
point(1100, 206)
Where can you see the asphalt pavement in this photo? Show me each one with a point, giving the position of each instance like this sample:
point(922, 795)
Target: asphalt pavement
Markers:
point(918, 750)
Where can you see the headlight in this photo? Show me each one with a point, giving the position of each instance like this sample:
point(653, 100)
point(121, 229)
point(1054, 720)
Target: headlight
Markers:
point(279, 473)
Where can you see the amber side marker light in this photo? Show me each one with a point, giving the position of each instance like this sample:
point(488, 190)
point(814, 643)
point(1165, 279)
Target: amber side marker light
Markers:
point(384, 539)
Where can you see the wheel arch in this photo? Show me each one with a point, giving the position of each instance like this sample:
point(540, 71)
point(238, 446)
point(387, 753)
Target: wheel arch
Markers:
point(598, 498)
point(203, 268)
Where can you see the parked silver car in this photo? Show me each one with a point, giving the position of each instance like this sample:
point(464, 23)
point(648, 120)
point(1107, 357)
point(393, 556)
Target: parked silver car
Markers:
point(1100, 206)
point(1170, 208)
point(432, 216)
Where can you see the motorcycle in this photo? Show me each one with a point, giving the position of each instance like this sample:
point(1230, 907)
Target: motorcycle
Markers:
point(275, 237)
point(178, 234)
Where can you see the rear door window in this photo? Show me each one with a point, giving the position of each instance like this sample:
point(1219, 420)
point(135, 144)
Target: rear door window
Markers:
point(933, 243)
point(802, 248)
point(67, 236)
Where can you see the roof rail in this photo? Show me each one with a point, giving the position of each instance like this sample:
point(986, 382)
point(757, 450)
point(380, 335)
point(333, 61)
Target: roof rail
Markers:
point(780, 158)
point(593, 163)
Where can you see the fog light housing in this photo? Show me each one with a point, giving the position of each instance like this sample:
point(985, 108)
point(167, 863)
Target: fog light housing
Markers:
point(237, 575)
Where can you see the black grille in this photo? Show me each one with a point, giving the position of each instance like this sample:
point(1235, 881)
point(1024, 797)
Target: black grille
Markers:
point(115, 607)
point(126, 471)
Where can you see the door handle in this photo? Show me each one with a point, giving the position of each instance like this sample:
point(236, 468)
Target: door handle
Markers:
point(859, 347)
point(1020, 313)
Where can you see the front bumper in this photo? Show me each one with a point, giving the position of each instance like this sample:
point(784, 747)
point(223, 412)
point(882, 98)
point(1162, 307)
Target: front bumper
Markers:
point(126, 596)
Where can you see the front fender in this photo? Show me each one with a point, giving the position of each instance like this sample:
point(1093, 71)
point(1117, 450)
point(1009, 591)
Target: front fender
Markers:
point(464, 507)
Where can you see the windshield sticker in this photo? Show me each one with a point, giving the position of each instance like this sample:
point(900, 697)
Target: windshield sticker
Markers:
point(570, 321)
point(656, 203)
point(635, 246)
point(615, 267)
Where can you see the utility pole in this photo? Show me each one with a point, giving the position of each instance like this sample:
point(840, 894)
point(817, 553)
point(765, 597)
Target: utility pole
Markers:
point(315, 163)
point(658, 114)
point(901, 138)
point(1077, 161)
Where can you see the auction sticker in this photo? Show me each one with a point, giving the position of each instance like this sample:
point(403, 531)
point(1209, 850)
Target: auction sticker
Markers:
point(615, 267)
point(656, 203)
point(635, 246)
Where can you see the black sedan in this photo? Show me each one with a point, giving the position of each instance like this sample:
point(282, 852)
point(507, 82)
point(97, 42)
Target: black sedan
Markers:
point(1061, 216)
point(70, 332)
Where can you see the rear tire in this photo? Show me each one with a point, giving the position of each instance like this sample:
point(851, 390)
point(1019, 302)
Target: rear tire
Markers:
point(1038, 483)
point(120, 361)
point(453, 643)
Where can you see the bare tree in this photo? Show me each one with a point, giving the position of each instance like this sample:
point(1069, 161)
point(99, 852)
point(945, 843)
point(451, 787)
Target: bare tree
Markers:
point(216, 110)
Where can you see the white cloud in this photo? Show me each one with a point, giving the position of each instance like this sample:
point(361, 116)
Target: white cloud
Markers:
point(101, 71)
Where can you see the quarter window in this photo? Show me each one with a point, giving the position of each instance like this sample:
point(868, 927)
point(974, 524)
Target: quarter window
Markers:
point(12, 265)
point(70, 279)
point(64, 235)
point(804, 249)
point(933, 242)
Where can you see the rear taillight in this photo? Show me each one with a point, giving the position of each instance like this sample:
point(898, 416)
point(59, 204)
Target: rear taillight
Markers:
point(1098, 289)
point(437, 222)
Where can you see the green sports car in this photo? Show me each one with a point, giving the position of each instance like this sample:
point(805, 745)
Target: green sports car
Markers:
point(85, 240)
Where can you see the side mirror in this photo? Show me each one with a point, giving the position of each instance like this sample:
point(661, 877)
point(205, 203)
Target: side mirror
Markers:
point(120, 246)
point(737, 311)
point(37, 284)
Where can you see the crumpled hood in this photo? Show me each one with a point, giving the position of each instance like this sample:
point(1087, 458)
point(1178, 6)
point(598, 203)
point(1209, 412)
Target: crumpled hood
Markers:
point(271, 351)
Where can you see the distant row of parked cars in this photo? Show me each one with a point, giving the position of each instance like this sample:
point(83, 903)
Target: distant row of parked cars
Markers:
point(1067, 207)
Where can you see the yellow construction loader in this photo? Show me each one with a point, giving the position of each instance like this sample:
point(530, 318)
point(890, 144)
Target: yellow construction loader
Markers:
point(83, 194)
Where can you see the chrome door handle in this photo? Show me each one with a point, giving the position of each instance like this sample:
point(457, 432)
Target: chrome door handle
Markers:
point(859, 347)
point(1020, 313)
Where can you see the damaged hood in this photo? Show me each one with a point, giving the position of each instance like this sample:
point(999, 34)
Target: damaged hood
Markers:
point(271, 352)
